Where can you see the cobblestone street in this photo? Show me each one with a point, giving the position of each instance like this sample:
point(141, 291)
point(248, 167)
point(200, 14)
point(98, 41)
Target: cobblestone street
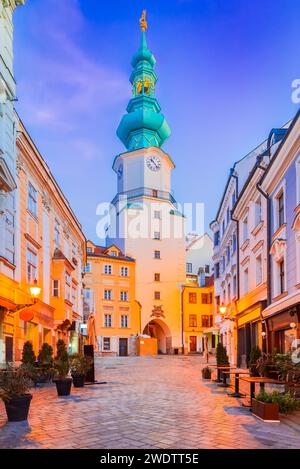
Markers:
point(157, 402)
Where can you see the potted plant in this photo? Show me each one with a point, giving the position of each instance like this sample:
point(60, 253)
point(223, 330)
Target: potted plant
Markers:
point(14, 391)
point(45, 363)
point(264, 408)
point(254, 356)
point(61, 368)
point(222, 359)
point(80, 365)
point(28, 355)
point(206, 373)
point(266, 365)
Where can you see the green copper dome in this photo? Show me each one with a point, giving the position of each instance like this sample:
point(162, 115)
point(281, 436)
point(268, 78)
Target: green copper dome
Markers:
point(143, 126)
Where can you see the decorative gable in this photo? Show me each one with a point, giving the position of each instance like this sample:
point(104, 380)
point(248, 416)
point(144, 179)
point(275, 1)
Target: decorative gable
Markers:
point(278, 249)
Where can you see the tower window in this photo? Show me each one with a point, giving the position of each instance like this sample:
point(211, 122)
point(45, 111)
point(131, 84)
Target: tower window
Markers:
point(146, 87)
point(157, 295)
point(156, 254)
point(157, 277)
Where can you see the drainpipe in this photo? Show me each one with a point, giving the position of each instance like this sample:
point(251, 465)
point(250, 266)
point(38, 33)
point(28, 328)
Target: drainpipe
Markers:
point(269, 296)
point(181, 286)
point(237, 239)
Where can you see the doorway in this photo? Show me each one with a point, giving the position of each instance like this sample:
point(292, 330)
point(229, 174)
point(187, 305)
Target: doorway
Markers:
point(123, 347)
point(9, 355)
point(193, 343)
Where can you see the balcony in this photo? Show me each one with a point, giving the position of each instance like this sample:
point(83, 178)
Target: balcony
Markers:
point(144, 192)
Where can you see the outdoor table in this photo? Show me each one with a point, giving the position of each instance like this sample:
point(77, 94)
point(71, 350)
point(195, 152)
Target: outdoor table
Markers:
point(219, 370)
point(236, 374)
point(261, 380)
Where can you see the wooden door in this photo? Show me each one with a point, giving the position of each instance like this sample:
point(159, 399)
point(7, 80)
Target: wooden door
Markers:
point(9, 349)
point(193, 343)
point(123, 347)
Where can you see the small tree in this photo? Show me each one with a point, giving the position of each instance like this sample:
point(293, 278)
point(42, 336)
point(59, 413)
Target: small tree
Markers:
point(28, 356)
point(45, 356)
point(222, 357)
point(61, 353)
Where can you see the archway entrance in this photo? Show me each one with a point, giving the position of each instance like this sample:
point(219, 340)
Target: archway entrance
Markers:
point(159, 329)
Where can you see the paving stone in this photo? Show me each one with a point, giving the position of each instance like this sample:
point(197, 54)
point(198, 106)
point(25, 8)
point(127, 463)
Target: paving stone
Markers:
point(147, 403)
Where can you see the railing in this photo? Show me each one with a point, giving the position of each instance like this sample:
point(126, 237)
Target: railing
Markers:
point(144, 192)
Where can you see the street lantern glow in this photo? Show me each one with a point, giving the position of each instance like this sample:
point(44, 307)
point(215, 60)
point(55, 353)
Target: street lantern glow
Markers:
point(35, 290)
point(222, 309)
point(293, 325)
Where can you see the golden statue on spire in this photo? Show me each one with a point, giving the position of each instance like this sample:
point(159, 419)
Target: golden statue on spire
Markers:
point(143, 21)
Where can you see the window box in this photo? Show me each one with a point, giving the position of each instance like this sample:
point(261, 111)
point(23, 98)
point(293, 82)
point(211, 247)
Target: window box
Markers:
point(265, 411)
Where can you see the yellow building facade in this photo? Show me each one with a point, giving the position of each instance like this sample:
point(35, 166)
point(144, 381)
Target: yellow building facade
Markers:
point(48, 247)
point(198, 317)
point(109, 294)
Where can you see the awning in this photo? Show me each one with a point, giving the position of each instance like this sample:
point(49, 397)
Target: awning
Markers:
point(284, 303)
point(211, 330)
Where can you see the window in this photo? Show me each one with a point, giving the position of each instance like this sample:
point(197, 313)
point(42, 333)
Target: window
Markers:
point(233, 199)
point(280, 205)
point(223, 227)
point(245, 229)
point(217, 270)
point(124, 320)
point(108, 294)
point(55, 288)
point(108, 269)
point(234, 292)
point(124, 271)
point(193, 298)
point(206, 298)
point(156, 254)
point(157, 295)
point(258, 270)
point(66, 248)
point(113, 253)
point(31, 265)
point(229, 292)
point(193, 320)
point(206, 320)
point(67, 286)
point(88, 302)
point(228, 215)
point(107, 320)
point(156, 235)
point(224, 263)
point(189, 267)
point(228, 253)
point(89, 250)
point(257, 211)
point(207, 268)
point(73, 250)
point(124, 295)
point(154, 193)
point(157, 277)
point(106, 344)
point(56, 232)
point(246, 281)
point(74, 298)
point(233, 243)
point(216, 238)
point(157, 214)
point(32, 199)
point(87, 268)
point(282, 277)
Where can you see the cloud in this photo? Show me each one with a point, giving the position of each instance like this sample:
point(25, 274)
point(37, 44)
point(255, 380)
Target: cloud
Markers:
point(60, 83)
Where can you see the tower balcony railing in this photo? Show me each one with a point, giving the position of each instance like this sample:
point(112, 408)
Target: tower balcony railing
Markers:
point(144, 192)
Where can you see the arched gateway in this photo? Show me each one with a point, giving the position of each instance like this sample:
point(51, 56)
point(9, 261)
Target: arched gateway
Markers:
point(159, 329)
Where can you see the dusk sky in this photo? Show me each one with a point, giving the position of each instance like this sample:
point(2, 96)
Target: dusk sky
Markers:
point(225, 69)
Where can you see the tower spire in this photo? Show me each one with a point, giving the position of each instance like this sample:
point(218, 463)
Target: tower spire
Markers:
point(143, 126)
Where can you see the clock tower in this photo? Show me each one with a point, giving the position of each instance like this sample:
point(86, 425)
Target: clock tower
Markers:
point(145, 221)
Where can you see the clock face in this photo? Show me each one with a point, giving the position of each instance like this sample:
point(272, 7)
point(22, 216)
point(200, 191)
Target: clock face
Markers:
point(120, 171)
point(153, 163)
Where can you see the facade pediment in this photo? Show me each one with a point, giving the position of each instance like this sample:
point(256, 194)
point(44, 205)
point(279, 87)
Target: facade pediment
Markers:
point(278, 249)
point(7, 182)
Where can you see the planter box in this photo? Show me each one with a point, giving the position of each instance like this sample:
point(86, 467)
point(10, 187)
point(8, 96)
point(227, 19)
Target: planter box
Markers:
point(265, 412)
point(206, 375)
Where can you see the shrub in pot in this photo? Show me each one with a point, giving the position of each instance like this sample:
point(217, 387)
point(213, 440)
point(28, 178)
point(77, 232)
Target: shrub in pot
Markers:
point(254, 357)
point(14, 391)
point(268, 405)
point(28, 355)
point(80, 365)
point(222, 359)
point(45, 363)
point(206, 373)
point(266, 366)
point(61, 368)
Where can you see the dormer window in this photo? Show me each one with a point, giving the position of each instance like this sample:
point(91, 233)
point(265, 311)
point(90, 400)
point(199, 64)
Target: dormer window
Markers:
point(146, 87)
point(114, 253)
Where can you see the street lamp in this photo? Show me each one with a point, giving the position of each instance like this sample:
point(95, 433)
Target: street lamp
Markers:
point(222, 309)
point(35, 290)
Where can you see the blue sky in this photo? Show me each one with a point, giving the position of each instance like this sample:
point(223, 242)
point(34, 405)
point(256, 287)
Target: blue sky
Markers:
point(225, 69)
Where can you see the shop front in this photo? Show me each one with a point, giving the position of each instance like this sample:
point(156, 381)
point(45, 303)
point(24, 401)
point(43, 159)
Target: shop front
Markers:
point(283, 329)
point(249, 333)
